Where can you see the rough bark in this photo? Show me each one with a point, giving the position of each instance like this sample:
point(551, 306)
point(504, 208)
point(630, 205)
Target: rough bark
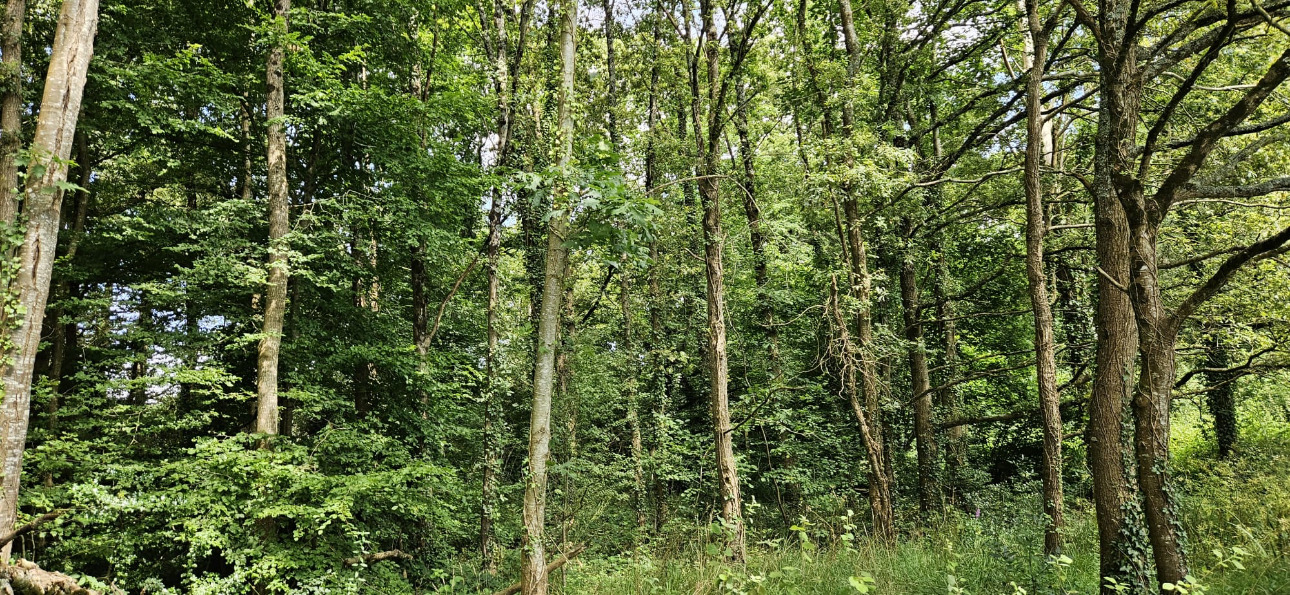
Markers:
point(1045, 356)
point(275, 293)
point(533, 572)
point(26, 578)
point(51, 146)
point(1121, 548)
point(10, 108)
point(880, 503)
point(929, 491)
point(707, 136)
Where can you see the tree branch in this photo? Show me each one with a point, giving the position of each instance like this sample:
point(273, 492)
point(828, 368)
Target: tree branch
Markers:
point(552, 567)
point(29, 527)
point(1255, 251)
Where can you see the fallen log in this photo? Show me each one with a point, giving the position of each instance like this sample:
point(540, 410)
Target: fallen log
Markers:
point(552, 567)
point(26, 578)
point(377, 557)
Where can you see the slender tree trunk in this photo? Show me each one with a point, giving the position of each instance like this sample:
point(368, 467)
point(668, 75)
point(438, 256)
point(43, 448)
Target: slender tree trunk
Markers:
point(502, 86)
point(1045, 355)
point(51, 147)
point(856, 253)
point(275, 303)
point(948, 397)
point(630, 358)
point(752, 210)
point(929, 492)
point(533, 576)
point(879, 486)
point(658, 380)
point(1222, 392)
point(707, 139)
point(11, 108)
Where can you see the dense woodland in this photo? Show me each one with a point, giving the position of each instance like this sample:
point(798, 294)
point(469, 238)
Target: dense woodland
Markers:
point(645, 296)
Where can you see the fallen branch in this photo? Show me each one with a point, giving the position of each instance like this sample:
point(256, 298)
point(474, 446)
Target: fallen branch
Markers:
point(29, 527)
point(377, 557)
point(552, 567)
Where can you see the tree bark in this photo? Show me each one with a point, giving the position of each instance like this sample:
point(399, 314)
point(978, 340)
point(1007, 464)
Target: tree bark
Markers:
point(52, 145)
point(1045, 355)
point(929, 491)
point(275, 302)
point(708, 127)
point(1222, 393)
point(856, 254)
point(757, 235)
point(533, 573)
point(880, 502)
point(1121, 549)
point(11, 108)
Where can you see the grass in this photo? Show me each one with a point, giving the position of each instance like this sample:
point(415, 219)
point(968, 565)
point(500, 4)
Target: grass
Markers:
point(1236, 513)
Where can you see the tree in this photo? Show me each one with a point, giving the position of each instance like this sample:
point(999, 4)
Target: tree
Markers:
point(1038, 148)
point(275, 295)
point(51, 147)
point(533, 573)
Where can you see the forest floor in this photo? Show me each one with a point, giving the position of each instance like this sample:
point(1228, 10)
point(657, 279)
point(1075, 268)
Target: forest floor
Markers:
point(1237, 515)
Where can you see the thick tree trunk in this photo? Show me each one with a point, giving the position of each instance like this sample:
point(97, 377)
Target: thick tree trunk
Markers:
point(1151, 403)
point(275, 302)
point(1121, 549)
point(11, 108)
point(929, 491)
point(1045, 356)
point(533, 573)
point(51, 147)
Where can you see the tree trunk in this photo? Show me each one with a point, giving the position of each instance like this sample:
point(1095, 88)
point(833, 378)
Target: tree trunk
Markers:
point(1045, 356)
point(1222, 393)
point(533, 574)
point(879, 487)
point(757, 237)
point(948, 399)
point(275, 303)
point(492, 442)
point(1151, 404)
point(630, 365)
point(707, 137)
point(11, 108)
point(856, 254)
point(1121, 548)
point(929, 492)
point(51, 147)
